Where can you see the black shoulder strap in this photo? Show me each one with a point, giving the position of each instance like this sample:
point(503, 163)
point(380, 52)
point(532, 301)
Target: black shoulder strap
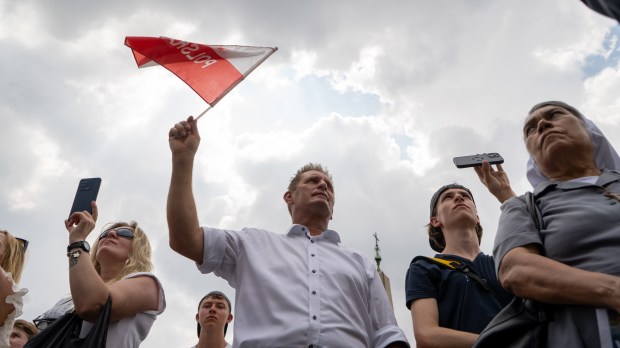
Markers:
point(457, 266)
point(533, 209)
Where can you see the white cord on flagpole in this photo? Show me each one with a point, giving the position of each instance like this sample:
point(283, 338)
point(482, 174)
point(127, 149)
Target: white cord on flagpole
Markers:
point(204, 112)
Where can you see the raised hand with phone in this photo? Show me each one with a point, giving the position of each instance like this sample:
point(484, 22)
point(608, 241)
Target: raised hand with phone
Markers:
point(496, 181)
point(81, 223)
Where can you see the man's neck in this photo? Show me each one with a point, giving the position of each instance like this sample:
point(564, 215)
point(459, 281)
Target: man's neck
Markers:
point(463, 243)
point(315, 226)
point(211, 340)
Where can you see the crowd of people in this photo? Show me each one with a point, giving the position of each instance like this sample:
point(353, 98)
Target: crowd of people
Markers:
point(319, 293)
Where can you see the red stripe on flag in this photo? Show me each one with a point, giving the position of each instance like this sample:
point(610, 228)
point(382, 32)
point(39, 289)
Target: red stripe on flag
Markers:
point(208, 74)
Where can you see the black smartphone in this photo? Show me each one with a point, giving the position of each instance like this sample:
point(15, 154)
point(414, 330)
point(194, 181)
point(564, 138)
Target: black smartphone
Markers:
point(476, 160)
point(87, 191)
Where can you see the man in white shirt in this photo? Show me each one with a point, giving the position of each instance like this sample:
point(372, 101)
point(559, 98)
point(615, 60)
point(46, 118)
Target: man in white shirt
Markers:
point(300, 288)
point(214, 314)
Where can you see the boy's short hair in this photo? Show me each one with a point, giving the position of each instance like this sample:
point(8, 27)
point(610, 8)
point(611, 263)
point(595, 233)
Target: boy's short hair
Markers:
point(29, 328)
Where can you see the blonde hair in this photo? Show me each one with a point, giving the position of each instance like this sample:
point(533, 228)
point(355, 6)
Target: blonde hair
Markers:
point(12, 260)
point(139, 259)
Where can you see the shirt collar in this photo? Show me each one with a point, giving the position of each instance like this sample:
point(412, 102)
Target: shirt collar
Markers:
point(607, 176)
point(301, 230)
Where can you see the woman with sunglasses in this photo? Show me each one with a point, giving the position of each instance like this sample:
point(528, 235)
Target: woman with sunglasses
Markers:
point(119, 266)
point(12, 257)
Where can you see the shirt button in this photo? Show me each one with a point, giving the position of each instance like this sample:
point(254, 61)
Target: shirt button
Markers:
point(311, 240)
point(314, 271)
point(303, 228)
point(312, 255)
point(313, 292)
point(314, 317)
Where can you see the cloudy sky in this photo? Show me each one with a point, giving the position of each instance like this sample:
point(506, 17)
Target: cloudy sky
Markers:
point(383, 93)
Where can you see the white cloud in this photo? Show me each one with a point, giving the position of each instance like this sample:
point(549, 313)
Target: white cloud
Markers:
point(601, 96)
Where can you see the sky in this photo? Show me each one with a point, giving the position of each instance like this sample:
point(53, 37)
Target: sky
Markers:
point(384, 94)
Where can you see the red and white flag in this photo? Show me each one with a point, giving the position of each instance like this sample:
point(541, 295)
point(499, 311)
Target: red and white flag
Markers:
point(210, 70)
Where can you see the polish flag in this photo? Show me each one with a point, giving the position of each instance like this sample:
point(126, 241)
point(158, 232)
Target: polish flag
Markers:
point(210, 70)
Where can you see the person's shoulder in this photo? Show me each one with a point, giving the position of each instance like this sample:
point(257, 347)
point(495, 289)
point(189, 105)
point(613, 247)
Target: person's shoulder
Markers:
point(484, 258)
point(354, 253)
point(516, 203)
point(140, 274)
point(423, 269)
point(518, 200)
point(245, 232)
point(424, 263)
point(257, 234)
point(143, 274)
point(256, 231)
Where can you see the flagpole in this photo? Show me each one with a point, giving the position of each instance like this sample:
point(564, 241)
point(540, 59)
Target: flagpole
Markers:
point(204, 112)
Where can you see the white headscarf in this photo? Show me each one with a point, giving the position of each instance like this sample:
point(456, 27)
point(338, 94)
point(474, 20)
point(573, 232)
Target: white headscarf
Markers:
point(606, 156)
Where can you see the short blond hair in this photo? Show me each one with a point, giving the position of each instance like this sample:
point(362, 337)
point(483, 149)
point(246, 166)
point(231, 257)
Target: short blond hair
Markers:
point(13, 259)
point(139, 259)
point(306, 168)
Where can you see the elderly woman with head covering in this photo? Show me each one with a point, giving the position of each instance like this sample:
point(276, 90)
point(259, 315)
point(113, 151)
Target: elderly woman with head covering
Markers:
point(12, 257)
point(118, 266)
point(573, 260)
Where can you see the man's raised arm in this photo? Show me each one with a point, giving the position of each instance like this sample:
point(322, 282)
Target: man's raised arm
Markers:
point(186, 237)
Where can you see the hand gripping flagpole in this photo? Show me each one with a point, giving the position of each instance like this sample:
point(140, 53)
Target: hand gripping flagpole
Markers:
point(273, 50)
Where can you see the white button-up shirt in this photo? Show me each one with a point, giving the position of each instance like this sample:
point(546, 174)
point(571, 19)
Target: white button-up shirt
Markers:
point(295, 290)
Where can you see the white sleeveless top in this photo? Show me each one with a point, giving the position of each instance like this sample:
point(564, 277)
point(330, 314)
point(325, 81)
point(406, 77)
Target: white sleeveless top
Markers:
point(16, 299)
point(130, 332)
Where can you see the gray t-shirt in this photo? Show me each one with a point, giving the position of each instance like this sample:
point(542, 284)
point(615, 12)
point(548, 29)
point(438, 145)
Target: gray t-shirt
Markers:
point(130, 332)
point(581, 228)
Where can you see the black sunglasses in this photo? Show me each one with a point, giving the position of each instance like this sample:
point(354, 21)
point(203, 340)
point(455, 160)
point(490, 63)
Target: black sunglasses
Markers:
point(120, 231)
point(43, 323)
point(24, 242)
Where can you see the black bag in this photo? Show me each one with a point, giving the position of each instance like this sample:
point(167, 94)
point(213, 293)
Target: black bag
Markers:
point(64, 332)
point(523, 322)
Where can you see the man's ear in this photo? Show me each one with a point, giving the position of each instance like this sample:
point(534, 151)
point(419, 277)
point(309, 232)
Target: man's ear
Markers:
point(288, 197)
point(435, 222)
point(197, 318)
point(230, 318)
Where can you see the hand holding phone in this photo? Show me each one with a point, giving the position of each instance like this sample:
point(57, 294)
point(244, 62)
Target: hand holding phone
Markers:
point(87, 191)
point(476, 160)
